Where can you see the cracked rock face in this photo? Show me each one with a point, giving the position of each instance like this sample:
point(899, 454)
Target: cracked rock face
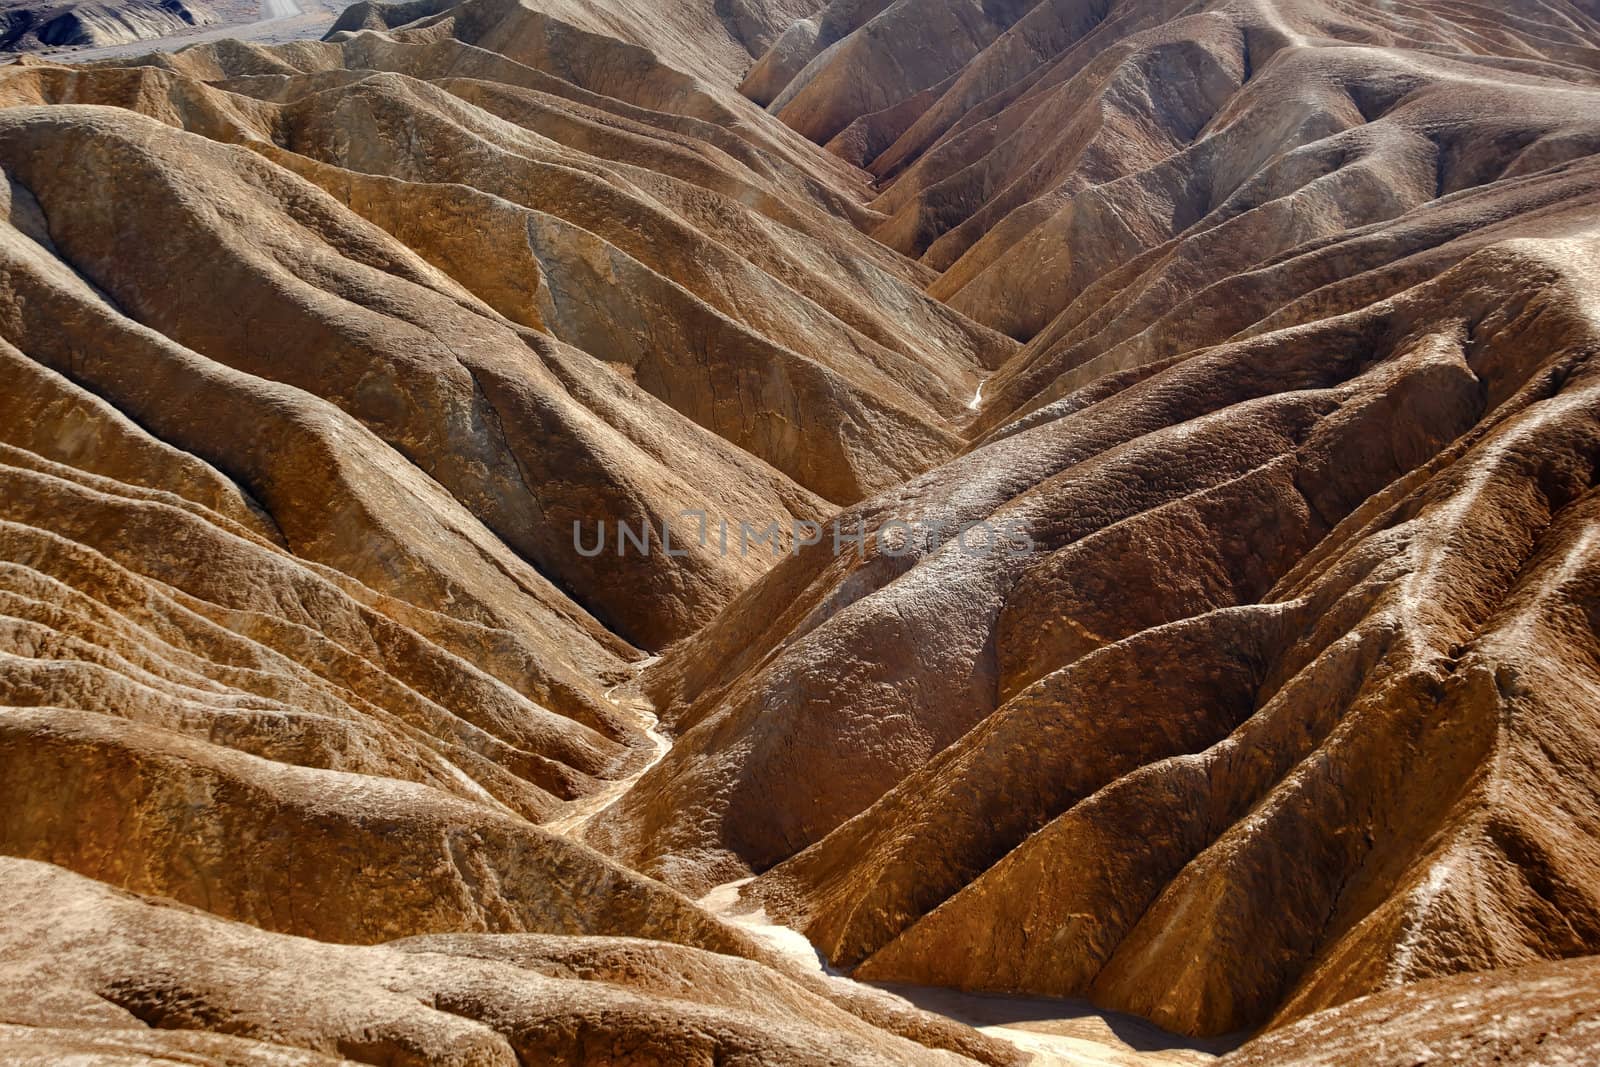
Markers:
point(1276, 714)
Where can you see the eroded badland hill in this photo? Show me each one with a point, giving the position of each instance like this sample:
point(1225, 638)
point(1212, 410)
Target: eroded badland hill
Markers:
point(1271, 328)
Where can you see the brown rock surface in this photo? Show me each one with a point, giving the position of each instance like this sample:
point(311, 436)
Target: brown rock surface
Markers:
point(717, 39)
point(87, 968)
point(312, 358)
point(1264, 723)
point(1369, 725)
point(1539, 1014)
point(1268, 699)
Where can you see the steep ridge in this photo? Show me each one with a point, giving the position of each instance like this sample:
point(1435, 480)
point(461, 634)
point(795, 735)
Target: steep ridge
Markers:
point(1070, 94)
point(28, 26)
point(894, 368)
point(1539, 1015)
point(315, 357)
point(87, 965)
point(716, 39)
point(1292, 699)
point(1260, 691)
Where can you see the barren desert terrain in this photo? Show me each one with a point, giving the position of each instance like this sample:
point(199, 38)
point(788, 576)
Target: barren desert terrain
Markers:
point(1171, 432)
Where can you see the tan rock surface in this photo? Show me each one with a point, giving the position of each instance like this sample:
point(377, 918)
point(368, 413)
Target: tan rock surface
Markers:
point(1177, 641)
point(1263, 724)
point(1285, 315)
point(292, 626)
point(29, 25)
point(994, 150)
point(719, 39)
point(1539, 1014)
point(868, 56)
point(97, 962)
point(46, 1046)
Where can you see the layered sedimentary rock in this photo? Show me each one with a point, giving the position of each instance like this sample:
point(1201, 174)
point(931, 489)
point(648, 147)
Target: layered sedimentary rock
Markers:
point(29, 26)
point(1530, 1015)
point(314, 357)
point(94, 971)
point(1230, 661)
point(1292, 700)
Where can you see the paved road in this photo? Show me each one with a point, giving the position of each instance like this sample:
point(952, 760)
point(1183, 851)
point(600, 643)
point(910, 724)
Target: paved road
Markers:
point(281, 20)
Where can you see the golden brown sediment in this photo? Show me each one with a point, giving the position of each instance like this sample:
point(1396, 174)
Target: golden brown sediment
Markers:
point(1286, 316)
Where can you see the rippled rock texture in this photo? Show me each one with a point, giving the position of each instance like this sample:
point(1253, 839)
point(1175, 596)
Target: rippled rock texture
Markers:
point(1286, 316)
point(26, 25)
point(1296, 699)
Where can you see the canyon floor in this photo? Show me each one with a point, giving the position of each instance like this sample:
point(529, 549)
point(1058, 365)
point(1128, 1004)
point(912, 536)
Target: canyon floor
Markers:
point(1098, 545)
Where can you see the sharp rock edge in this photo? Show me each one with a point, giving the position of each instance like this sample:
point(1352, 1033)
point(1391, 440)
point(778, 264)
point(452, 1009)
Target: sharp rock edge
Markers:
point(1272, 324)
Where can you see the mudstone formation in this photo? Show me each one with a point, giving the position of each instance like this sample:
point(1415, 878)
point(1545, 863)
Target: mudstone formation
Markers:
point(1271, 326)
point(27, 25)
